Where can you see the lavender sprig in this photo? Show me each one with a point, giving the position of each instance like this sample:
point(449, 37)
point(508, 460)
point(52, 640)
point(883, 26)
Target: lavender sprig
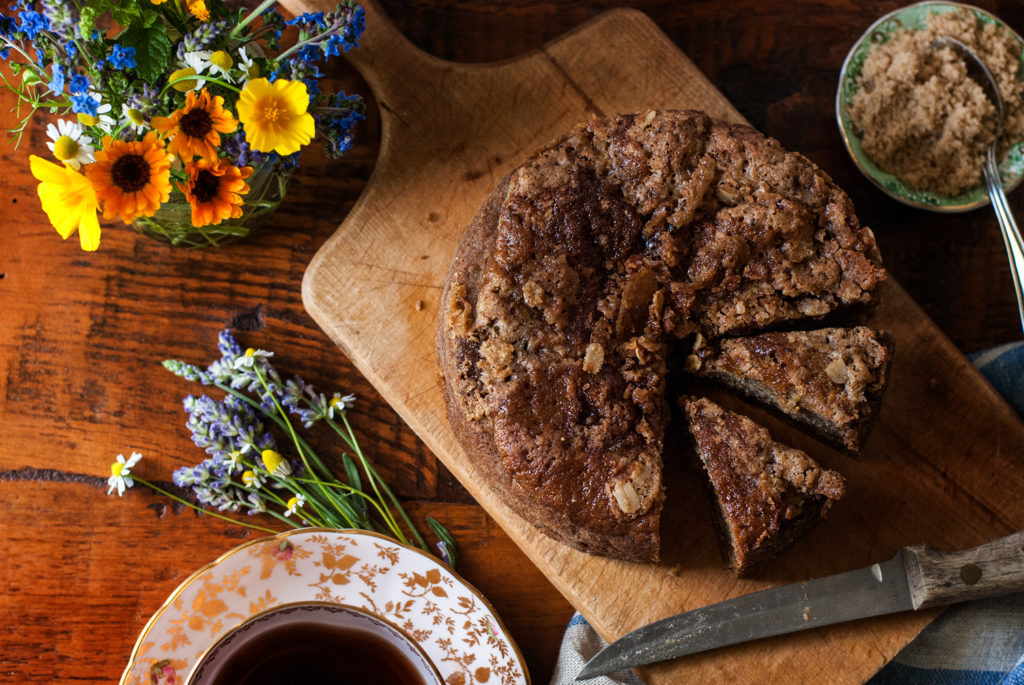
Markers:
point(249, 469)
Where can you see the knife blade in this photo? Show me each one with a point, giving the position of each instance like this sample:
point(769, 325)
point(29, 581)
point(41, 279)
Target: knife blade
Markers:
point(917, 577)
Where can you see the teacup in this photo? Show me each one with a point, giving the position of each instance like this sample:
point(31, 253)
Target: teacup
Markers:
point(314, 642)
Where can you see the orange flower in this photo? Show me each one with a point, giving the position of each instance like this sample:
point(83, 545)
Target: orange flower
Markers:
point(199, 10)
point(196, 127)
point(131, 178)
point(215, 189)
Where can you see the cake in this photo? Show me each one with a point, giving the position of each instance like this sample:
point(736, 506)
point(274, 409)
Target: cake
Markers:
point(830, 380)
point(766, 494)
point(587, 264)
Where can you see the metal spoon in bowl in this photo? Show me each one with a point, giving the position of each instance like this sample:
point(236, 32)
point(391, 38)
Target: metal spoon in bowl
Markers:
point(1012, 239)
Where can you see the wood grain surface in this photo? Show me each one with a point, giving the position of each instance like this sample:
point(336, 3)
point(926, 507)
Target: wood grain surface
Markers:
point(82, 335)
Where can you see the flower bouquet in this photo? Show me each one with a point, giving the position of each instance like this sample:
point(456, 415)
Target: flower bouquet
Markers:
point(182, 118)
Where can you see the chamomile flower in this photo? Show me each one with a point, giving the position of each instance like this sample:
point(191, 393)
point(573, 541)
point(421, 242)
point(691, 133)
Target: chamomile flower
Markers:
point(247, 360)
point(198, 61)
point(233, 461)
point(136, 120)
point(220, 63)
point(69, 144)
point(120, 478)
point(103, 121)
point(246, 65)
point(251, 479)
point(294, 504)
point(275, 464)
point(339, 403)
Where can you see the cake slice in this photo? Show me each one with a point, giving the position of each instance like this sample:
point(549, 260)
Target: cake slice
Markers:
point(767, 494)
point(830, 380)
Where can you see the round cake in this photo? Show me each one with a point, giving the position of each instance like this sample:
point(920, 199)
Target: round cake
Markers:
point(582, 270)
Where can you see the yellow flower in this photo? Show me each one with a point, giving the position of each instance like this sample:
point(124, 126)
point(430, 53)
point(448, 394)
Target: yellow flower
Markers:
point(199, 10)
point(275, 116)
point(68, 200)
point(195, 128)
point(214, 189)
point(131, 178)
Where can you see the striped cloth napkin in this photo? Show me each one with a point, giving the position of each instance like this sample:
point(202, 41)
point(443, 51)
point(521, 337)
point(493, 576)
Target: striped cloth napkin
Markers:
point(979, 643)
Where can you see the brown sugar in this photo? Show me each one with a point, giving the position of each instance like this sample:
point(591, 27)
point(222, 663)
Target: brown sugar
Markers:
point(919, 115)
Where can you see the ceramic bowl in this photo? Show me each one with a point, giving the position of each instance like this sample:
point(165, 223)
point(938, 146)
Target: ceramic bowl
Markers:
point(1011, 168)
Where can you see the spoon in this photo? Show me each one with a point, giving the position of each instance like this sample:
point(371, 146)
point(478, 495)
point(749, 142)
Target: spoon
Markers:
point(1012, 239)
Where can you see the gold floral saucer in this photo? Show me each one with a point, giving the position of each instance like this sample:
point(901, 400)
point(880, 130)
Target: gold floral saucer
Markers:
point(451, 621)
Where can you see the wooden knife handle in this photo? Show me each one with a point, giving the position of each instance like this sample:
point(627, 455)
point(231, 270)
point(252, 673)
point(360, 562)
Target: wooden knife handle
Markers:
point(937, 578)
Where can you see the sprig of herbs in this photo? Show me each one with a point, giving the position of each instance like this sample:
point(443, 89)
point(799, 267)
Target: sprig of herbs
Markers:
point(247, 469)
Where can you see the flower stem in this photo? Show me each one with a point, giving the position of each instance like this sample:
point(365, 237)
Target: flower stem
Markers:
point(375, 478)
point(263, 6)
point(214, 514)
point(295, 438)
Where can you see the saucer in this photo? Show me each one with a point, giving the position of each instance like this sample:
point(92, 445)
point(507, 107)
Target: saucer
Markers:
point(450, 620)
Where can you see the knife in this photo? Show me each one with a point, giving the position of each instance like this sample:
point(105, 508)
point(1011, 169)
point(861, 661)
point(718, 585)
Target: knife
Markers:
point(917, 577)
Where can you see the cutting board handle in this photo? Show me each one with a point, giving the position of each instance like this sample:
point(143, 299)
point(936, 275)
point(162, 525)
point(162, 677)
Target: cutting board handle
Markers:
point(383, 55)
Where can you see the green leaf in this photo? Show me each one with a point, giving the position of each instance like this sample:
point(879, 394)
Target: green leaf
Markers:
point(127, 14)
point(149, 17)
point(152, 49)
point(30, 77)
point(446, 537)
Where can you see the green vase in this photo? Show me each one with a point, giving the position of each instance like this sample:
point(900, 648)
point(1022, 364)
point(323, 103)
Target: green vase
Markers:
point(172, 222)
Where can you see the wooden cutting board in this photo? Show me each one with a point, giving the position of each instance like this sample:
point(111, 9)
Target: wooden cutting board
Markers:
point(942, 467)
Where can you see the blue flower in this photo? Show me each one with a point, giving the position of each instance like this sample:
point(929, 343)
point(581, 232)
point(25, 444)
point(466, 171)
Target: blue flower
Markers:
point(59, 75)
point(239, 150)
point(79, 84)
point(333, 43)
point(32, 23)
point(309, 54)
point(356, 26)
point(85, 104)
point(7, 25)
point(123, 58)
point(309, 20)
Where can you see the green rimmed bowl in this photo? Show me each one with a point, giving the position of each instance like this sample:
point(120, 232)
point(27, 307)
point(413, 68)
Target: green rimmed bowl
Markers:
point(1011, 167)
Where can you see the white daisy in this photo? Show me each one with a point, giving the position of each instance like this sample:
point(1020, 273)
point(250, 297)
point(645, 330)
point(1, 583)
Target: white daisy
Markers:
point(134, 118)
point(339, 403)
point(220, 63)
point(246, 65)
point(103, 121)
point(198, 61)
point(120, 478)
point(233, 461)
point(251, 479)
point(69, 144)
point(250, 357)
point(294, 504)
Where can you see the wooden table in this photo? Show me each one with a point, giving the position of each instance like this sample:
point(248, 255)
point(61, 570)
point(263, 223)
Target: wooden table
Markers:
point(82, 335)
